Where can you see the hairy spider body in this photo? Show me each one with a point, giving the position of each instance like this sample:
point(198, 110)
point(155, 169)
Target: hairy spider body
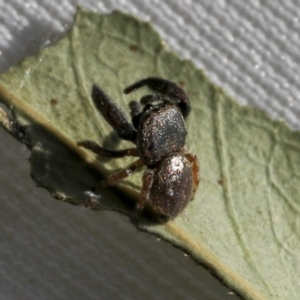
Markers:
point(161, 131)
point(173, 178)
point(158, 131)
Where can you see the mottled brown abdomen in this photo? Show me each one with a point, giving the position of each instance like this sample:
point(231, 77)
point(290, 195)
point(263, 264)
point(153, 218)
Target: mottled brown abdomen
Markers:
point(172, 185)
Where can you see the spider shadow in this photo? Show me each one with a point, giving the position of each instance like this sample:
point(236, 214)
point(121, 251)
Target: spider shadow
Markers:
point(64, 173)
point(110, 141)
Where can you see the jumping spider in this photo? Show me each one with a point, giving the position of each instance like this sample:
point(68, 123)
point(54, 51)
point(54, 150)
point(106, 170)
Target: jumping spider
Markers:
point(158, 131)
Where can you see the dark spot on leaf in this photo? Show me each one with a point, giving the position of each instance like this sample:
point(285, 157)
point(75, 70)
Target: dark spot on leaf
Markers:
point(221, 182)
point(54, 102)
point(133, 48)
point(181, 83)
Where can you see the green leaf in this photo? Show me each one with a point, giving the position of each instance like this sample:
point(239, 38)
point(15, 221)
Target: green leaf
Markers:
point(244, 220)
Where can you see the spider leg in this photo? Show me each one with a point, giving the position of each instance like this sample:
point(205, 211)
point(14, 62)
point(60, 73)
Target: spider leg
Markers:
point(144, 194)
point(107, 152)
point(114, 178)
point(135, 112)
point(165, 87)
point(194, 161)
point(113, 114)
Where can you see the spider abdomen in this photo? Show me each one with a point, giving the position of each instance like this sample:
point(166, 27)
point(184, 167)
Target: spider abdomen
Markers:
point(172, 186)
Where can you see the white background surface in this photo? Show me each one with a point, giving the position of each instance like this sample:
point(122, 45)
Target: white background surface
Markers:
point(51, 250)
